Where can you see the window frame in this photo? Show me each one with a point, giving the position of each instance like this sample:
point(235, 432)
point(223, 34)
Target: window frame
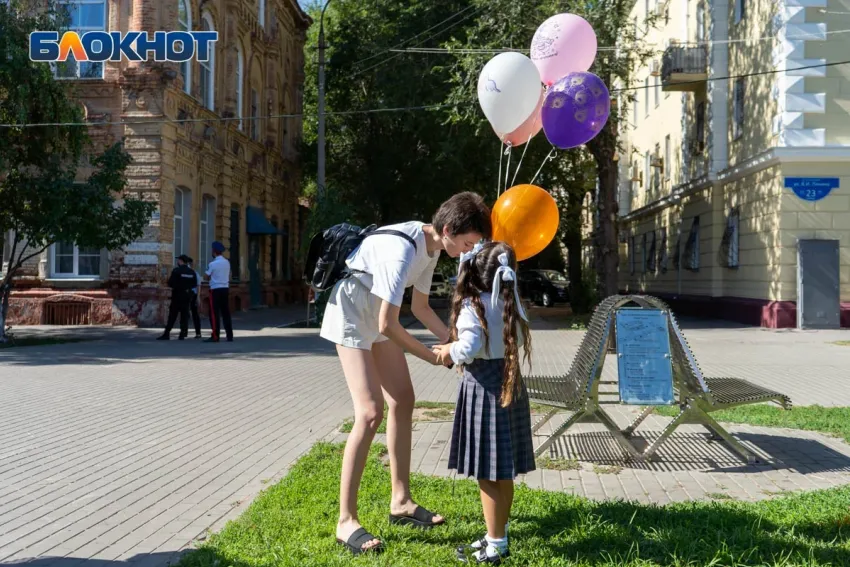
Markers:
point(81, 30)
point(186, 26)
point(55, 274)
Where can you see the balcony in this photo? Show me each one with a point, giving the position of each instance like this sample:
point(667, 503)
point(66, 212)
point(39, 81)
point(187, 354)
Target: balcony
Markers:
point(684, 68)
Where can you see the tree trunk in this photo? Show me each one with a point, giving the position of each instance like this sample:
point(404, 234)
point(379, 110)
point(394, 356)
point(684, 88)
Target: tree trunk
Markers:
point(5, 290)
point(572, 240)
point(608, 255)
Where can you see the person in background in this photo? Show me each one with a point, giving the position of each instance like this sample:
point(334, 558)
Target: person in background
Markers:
point(183, 279)
point(193, 301)
point(219, 274)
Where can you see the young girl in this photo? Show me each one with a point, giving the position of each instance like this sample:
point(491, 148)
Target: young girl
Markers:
point(491, 439)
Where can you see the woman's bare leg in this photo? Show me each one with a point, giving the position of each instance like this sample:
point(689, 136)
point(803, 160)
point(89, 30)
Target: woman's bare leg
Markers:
point(361, 374)
point(398, 391)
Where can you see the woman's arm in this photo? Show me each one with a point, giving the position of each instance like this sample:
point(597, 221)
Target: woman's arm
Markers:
point(391, 327)
point(423, 311)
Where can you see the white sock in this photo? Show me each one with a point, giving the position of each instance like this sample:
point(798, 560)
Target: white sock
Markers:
point(499, 545)
point(477, 544)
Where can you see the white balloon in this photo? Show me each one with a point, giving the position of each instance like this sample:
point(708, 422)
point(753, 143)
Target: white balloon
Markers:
point(508, 90)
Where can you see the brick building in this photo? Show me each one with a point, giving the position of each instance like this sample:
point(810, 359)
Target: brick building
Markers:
point(234, 180)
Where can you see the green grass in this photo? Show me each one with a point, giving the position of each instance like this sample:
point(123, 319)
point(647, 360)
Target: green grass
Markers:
point(834, 421)
point(39, 341)
point(842, 343)
point(292, 524)
point(558, 464)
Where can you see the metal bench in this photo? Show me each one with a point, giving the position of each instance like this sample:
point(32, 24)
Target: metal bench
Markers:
point(578, 390)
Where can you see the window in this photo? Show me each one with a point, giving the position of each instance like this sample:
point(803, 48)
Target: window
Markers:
point(738, 110)
point(287, 268)
point(701, 23)
point(240, 78)
point(273, 239)
point(635, 110)
point(206, 234)
point(651, 254)
point(729, 243)
point(208, 69)
point(255, 108)
point(261, 15)
point(645, 257)
point(657, 90)
point(647, 170)
point(692, 247)
point(182, 213)
point(235, 268)
point(699, 139)
point(184, 23)
point(7, 240)
point(662, 252)
point(85, 16)
point(70, 261)
point(667, 156)
point(646, 96)
point(631, 254)
point(656, 169)
point(740, 10)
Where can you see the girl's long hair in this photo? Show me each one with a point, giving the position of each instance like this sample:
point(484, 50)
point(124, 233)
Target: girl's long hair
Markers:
point(476, 277)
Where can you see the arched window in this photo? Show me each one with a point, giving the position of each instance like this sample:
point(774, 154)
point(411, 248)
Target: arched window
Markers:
point(240, 80)
point(184, 23)
point(208, 69)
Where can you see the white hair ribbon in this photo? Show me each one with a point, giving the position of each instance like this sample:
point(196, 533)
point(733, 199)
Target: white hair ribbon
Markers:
point(466, 256)
point(505, 273)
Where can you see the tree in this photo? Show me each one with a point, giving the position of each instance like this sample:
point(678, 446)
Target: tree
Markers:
point(399, 165)
point(511, 24)
point(42, 202)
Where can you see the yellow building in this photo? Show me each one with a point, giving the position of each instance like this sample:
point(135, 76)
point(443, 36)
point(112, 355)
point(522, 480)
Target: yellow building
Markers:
point(214, 177)
point(735, 174)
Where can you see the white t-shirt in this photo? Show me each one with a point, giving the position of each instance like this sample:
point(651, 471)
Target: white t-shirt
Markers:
point(470, 334)
point(390, 264)
point(219, 273)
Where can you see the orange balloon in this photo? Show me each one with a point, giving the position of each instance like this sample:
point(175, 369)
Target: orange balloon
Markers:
point(526, 217)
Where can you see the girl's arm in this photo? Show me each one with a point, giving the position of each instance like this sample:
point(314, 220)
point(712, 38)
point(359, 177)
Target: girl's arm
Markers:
point(470, 338)
point(391, 327)
point(423, 311)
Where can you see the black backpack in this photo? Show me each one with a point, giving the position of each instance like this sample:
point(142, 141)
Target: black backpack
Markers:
point(325, 264)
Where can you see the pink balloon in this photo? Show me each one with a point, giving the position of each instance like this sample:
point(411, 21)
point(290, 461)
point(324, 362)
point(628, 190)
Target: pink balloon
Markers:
point(563, 44)
point(528, 129)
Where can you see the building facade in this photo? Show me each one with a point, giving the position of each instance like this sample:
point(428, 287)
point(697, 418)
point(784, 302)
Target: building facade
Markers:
point(735, 169)
point(208, 145)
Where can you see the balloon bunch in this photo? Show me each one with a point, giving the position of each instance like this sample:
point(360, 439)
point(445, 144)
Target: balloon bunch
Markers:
point(572, 109)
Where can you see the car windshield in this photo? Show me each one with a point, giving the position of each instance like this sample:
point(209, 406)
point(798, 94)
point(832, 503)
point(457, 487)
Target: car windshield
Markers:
point(554, 276)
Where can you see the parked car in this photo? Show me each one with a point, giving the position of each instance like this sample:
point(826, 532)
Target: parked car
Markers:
point(544, 287)
point(440, 287)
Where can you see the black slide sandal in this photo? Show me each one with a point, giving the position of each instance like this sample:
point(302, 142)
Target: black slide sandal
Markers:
point(421, 518)
point(359, 538)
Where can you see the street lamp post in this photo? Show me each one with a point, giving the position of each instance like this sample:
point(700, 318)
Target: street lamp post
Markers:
point(320, 177)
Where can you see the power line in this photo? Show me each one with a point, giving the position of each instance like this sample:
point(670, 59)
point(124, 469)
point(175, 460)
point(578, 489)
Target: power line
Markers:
point(453, 16)
point(384, 110)
point(435, 34)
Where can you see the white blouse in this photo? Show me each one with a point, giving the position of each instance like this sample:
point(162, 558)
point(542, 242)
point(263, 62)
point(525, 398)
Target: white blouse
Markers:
point(470, 333)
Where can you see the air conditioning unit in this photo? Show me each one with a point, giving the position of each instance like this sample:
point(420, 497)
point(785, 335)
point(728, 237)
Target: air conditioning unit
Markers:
point(655, 68)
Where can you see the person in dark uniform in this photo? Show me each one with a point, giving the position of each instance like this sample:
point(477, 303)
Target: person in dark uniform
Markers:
point(193, 301)
point(183, 279)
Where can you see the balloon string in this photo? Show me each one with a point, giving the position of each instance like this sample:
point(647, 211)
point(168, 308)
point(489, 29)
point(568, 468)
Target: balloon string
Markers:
point(522, 157)
point(499, 178)
point(508, 167)
point(547, 158)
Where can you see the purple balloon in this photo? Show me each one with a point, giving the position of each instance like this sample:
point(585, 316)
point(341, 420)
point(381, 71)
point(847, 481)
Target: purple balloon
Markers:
point(575, 110)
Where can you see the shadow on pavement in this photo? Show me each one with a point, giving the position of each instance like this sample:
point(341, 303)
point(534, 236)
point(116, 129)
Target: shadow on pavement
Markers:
point(141, 560)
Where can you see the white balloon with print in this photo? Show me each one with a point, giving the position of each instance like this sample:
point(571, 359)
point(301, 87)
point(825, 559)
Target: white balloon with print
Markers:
point(508, 91)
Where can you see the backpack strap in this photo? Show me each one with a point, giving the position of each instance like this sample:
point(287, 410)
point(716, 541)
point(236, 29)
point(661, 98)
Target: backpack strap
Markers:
point(394, 233)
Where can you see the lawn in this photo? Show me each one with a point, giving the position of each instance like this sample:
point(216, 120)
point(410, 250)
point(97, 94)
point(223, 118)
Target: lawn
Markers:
point(832, 420)
point(292, 523)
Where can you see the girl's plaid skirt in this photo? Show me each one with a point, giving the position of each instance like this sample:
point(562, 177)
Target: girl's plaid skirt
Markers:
point(490, 442)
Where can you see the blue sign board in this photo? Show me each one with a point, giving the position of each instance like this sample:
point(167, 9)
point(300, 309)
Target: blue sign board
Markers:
point(811, 188)
point(644, 364)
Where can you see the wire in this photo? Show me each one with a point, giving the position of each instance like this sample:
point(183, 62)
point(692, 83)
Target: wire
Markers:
point(394, 47)
point(396, 109)
point(397, 55)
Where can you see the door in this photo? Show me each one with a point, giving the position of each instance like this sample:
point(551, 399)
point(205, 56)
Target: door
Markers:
point(255, 271)
point(818, 299)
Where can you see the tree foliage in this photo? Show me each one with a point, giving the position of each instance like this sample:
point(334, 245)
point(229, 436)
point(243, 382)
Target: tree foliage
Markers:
point(41, 199)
